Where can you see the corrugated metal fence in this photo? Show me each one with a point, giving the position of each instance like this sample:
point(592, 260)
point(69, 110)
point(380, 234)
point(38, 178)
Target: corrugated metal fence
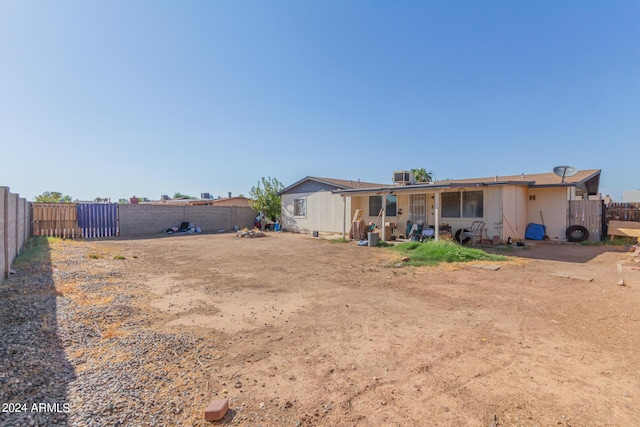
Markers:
point(98, 220)
point(71, 220)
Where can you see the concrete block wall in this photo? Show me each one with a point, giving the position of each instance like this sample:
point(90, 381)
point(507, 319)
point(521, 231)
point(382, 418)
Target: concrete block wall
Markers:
point(3, 253)
point(149, 220)
point(15, 221)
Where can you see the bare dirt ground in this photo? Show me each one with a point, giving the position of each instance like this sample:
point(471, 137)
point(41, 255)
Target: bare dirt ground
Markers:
point(307, 332)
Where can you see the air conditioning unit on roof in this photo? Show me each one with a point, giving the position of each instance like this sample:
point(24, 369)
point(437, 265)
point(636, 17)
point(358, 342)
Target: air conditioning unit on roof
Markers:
point(403, 178)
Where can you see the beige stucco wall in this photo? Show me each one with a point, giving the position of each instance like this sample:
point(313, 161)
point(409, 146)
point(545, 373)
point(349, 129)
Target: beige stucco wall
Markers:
point(325, 213)
point(554, 204)
point(514, 211)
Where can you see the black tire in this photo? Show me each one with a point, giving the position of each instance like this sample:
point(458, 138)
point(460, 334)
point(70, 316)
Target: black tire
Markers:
point(577, 233)
point(457, 236)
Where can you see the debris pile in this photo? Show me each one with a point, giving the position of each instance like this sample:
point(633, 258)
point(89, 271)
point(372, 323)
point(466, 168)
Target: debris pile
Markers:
point(249, 233)
point(185, 228)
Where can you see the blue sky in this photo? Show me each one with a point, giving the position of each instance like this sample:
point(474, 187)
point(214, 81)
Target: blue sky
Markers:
point(122, 98)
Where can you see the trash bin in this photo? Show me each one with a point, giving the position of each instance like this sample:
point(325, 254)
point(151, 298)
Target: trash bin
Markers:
point(373, 239)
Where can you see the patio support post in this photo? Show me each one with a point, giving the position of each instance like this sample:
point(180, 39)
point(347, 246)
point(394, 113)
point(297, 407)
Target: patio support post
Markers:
point(344, 217)
point(436, 212)
point(382, 235)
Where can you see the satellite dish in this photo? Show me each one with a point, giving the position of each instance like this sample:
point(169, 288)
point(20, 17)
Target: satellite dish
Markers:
point(565, 171)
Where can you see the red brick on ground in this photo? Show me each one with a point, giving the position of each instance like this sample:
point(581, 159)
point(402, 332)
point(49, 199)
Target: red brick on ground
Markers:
point(216, 410)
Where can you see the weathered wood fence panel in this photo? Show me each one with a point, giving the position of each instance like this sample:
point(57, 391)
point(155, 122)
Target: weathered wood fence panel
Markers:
point(623, 212)
point(623, 228)
point(55, 220)
point(587, 213)
point(98, 220)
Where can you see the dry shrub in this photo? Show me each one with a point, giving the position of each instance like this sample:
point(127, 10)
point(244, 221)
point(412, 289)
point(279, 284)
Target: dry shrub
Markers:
point(112, 331)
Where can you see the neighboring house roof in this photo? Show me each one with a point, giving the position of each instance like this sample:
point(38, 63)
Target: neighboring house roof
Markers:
point(333, 184)
point(586, 180)
point(226, 201)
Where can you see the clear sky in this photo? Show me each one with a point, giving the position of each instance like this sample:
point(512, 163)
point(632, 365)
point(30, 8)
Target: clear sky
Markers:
point(121, 98)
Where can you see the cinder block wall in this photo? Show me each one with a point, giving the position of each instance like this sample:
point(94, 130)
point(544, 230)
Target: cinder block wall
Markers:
point(150, 220)
point(15, 221)
point(10, 227)
point(3, 253)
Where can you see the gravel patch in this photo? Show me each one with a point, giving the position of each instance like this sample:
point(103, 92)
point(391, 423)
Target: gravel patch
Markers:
point(75, 352)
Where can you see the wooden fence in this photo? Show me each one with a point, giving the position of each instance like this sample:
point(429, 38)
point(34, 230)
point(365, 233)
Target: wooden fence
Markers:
point(55, 220)
point(623, 212)
point(587, 213)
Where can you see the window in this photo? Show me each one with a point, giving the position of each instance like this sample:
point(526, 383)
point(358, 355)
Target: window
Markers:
point(300, 207)
point(418, 208)
point(463, 204)
point(391, 205)
point(451, 205)
point(472, 204)
point(375, 204)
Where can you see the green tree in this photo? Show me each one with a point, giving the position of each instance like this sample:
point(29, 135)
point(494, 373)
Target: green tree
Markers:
point(179, 195)
point(123, 201)
point(422, 175)
point(52, 197)
point(265, 197)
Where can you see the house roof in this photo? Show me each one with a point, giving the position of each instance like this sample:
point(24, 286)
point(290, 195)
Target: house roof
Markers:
point(338, 184)
point(586, 180)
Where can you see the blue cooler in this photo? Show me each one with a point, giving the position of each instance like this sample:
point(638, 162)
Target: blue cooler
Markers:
point(534, 232)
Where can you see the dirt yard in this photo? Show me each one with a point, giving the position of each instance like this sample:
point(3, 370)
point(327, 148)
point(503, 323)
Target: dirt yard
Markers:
point(298, 331)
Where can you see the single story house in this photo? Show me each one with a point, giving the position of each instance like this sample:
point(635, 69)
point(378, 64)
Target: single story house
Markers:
point(506, 204)
point(311, 204)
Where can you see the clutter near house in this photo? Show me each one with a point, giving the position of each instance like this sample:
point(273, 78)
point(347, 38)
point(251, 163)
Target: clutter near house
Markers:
point(563, 205)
